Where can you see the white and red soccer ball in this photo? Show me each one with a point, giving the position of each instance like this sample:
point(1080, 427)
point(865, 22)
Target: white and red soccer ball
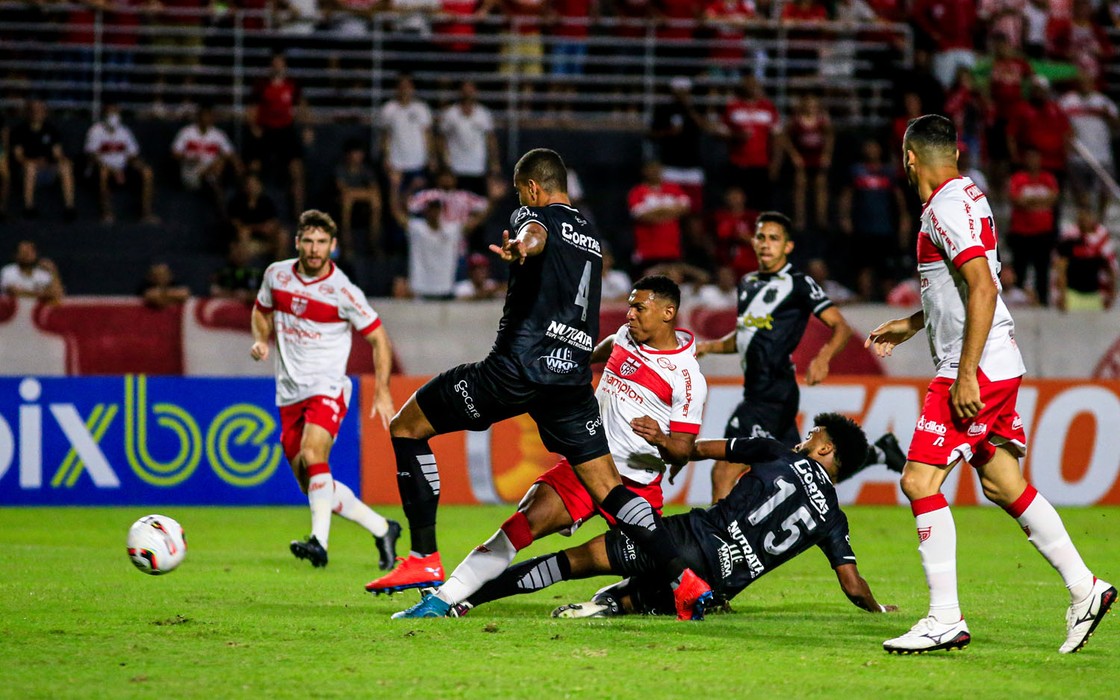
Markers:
point(156, 544)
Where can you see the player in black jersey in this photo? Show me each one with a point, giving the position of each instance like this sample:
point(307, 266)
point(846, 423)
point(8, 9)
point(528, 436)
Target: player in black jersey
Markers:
point(540, 365)
point(774, 306)
point(782, 504)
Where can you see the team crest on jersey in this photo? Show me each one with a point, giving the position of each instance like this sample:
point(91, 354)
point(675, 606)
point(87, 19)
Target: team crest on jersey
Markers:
point(629, 367)
point(664, 362)
point(283, 278)
point(299, 305)
point(770, 295)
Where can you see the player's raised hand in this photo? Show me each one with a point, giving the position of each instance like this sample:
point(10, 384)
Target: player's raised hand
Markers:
point(382, 406)
point(883, 339)
point(888, 608)
point(817, 371)
point(259, 351)
point(647, 429)
point(511, 249)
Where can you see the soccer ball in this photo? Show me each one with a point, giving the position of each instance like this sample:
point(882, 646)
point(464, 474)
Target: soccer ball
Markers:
point(156, 544)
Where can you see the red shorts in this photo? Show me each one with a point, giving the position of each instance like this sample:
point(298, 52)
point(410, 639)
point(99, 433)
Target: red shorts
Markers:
point(323, 411)
point(562, 478)
point(939, 438)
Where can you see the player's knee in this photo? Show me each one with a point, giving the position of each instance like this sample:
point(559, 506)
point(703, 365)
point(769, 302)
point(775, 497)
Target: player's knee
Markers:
point(312, 454)
point(917, 484)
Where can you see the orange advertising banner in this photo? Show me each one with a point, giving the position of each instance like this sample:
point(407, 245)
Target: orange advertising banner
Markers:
point(1073, 433)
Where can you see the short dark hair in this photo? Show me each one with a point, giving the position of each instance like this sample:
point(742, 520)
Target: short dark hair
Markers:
point(850, 442)
point(776, 217)
point(931, 134)
point(660, 286)
point(313, 218)
point(545, 167)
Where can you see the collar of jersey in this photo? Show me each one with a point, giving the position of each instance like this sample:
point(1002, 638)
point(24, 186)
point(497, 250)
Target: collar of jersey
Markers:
point(938, 189)
point(306, 283)
point(771, 275)
point(680, 348)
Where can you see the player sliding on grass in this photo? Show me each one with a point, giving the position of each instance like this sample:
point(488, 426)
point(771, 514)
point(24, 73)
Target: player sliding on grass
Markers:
point(969, 414)
point(540, 365)
point(782, 504)
point(651, 397)
point(313, 305)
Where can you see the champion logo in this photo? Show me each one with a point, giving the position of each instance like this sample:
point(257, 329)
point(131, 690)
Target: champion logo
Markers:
point(977, 429)
point(299, 305)
point(629, 367)
point(923, 533)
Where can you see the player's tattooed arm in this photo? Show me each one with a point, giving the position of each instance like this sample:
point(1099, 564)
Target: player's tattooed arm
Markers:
point(602, 351)
point(857, 590)
point(529, 242)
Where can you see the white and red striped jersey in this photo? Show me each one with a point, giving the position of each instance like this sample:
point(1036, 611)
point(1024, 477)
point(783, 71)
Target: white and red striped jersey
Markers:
point(665, 385)
point(957, 226)
point(199, 150)
point(112, 147)
point(313, 320)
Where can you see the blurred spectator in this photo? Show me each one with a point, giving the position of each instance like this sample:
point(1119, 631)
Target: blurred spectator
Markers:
point(1040, 123)
point(406, 135)
point(159, 288)
point(905, 294)
point(968, 108)
point(37, 149)
point(722, 294)
point(676, 128)
point(5, 174)
point(874, 215)
point(919, 80)
point(124, 22)
point(479, 285)
point(456, 30)
point(912, 109)
point(458, 205)
point(728, 21)
point(1010, 291)
point(808, 141)
point(274, 137)
point(239, 278)
point(817, 268)
point(1032, 233)
point(750, 124)
point(178, 41)
point(351, 18)
point(1079, 39)
point(1036, 15)
point(298, 17)
point(30, 276)
point(631, 16)
point(523, 52)
point(804, 54)
point(114, 154)
point(1003, 17)
point(569, 34)
point(949, 27)
point(966, 165)
point(1005, 87)
point(1093, 117)
point(255, 222)
point(734, 228)
point(204, 153)
point(1085, 269)
point(656, 208)
point(470, 148)
point(356, 183)
point(616, 283)
point(674, 33)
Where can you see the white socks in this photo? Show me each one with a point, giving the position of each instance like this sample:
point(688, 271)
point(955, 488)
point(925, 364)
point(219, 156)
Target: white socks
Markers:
point(1045, 530)
point(320, 496)
point(351, 507)
point(484, 564)
point(937, 544)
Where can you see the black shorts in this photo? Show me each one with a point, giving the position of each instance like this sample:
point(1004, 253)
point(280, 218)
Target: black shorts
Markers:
point(627, 558)
point(478, 395)
point(774, 419)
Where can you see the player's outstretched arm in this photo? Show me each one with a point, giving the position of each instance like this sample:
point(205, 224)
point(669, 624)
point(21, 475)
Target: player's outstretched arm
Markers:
point(382, 367)
point(722, 346)
point(528, 243)
point(883, 339)
point(841, 332)
point(857, 590)
point(709, 449)
point(602, 351)
point(261, 325)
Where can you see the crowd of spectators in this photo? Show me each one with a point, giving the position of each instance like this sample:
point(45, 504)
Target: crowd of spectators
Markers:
point(1022, 79)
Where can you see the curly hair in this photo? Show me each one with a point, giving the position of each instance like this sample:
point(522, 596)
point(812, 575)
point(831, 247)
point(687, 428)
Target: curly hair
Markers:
point(850, 442)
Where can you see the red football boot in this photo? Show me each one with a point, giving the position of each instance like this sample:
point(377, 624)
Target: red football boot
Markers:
point(411, 572)
point(691, 596)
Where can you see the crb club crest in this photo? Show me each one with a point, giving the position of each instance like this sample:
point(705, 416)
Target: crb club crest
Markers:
point(299, 305)
point(769, 296)
point(629, 367)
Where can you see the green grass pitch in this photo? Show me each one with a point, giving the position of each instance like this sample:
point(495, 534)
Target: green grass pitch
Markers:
point(242, 618)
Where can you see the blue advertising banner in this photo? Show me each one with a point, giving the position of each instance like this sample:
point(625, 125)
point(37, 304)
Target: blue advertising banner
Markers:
point(138, 440)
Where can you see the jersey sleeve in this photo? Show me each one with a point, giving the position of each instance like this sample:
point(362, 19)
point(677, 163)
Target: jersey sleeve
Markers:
point(264, 294)
point(132, 145)
point(955, 231)
point(180, 143)
point(224, 143)
point(689, 395)
point(353, 307)
point(813, 295)
point(524, 216)
point(836, 545)
point(754, 450)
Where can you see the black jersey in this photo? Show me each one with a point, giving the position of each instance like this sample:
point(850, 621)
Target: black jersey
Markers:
point(551, 317)
point(773, 311)
point(784, 505)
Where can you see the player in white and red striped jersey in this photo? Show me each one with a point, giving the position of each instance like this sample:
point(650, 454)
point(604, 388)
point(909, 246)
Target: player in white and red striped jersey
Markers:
point(311, 305)
point(969, 412)
point(651, 398)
